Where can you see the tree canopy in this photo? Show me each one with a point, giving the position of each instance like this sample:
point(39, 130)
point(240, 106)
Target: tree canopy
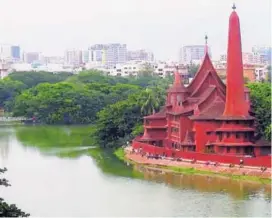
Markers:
point(260, 94)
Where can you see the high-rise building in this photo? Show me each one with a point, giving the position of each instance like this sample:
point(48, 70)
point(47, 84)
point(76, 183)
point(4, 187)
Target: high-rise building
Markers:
point(5, 52)
point(140, 55)
point(31, 57)
point(109, 54)
point(15, 52)
point(73, 57)
point(192, 53)
point(264, 52)
point(85, 56)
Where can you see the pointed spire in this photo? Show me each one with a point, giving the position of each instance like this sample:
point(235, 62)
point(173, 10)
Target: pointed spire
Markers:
point(206, 44)
point(177, 78)
point(234, 6)
point(235, 97)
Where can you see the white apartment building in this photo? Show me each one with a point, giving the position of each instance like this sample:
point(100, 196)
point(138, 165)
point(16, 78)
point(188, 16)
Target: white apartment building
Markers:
point(31, 57)
point(4, 69)
point(264, 52)
point(192, 54)
point(52, 60)
point(86, 56)
point(260, 73)
point(5, 52)
point(109, 54)
point(73, 57)
point(248, 58)
point(140, 55)
point(251, 58)
point(168, 69)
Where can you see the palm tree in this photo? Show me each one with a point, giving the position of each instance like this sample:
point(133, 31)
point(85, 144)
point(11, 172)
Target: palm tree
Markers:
point(149, 102)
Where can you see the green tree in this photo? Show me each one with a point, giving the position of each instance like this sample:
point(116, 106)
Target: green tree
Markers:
point(32, 78)
point(149, 102)
point(59, 103)
point(269, 73)
point(116, 122)
point(9, 89)
point(9, 210)
point(260, 94)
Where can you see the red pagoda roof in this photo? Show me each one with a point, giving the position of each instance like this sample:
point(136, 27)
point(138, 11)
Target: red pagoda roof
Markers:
point(178, 85)
point(203, 72)
point(159, 115)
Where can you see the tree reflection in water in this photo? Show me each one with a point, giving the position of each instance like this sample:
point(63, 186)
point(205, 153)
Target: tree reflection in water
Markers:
point(238, 189)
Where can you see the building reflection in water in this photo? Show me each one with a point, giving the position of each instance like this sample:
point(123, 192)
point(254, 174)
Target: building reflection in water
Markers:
point(238, 189)
point(5, 140)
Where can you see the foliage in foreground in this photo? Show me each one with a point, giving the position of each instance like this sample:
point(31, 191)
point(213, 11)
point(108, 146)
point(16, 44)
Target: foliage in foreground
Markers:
point(9, 210)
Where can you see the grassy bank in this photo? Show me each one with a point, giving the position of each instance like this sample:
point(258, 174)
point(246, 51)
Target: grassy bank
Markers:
point(120, 153)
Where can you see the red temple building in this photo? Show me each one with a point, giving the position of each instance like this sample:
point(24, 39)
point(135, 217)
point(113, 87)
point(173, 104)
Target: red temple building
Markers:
point(208, 120)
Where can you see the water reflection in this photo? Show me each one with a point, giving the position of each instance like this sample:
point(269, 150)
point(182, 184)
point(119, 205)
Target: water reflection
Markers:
point(238, 189)
point(57, 170)
point(74, 141)
point(5, 139)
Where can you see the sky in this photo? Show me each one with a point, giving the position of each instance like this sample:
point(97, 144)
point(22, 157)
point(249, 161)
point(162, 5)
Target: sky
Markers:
point(162, 26)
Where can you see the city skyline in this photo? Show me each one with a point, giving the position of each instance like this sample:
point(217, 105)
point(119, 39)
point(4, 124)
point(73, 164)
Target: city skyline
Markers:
point(160, 26)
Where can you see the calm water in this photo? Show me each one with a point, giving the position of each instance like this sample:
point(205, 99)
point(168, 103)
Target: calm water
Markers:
point(52, 174)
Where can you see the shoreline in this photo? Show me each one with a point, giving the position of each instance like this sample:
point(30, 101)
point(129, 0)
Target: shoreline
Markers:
point(244, 173)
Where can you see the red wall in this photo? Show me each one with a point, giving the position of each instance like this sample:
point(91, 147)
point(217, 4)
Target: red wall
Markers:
point(201, 137)
point(249, 161)
point(157, 133)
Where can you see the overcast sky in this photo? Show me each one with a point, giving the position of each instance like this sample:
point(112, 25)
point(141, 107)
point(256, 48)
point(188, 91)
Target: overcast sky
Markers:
point(163, 26)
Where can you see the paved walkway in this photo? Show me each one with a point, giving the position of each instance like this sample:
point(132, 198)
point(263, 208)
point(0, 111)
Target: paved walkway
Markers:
point(236, 170)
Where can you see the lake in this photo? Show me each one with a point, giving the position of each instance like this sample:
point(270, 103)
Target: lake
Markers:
point(53, 173)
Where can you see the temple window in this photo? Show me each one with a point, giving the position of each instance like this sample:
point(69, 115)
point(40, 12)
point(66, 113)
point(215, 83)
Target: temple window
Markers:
point(209, 133)
point(237, 122)
point(237, 135)
point(238, 150)
point(159, 144)
point(246, 135)
point(220, 136)
point(228, 149)
point(227, 122)
point(179, 99)
point(228, 134)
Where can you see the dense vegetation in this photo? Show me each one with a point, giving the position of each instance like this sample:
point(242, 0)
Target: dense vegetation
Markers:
point(260, 94)
point(115, 105)
point(9, 210)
